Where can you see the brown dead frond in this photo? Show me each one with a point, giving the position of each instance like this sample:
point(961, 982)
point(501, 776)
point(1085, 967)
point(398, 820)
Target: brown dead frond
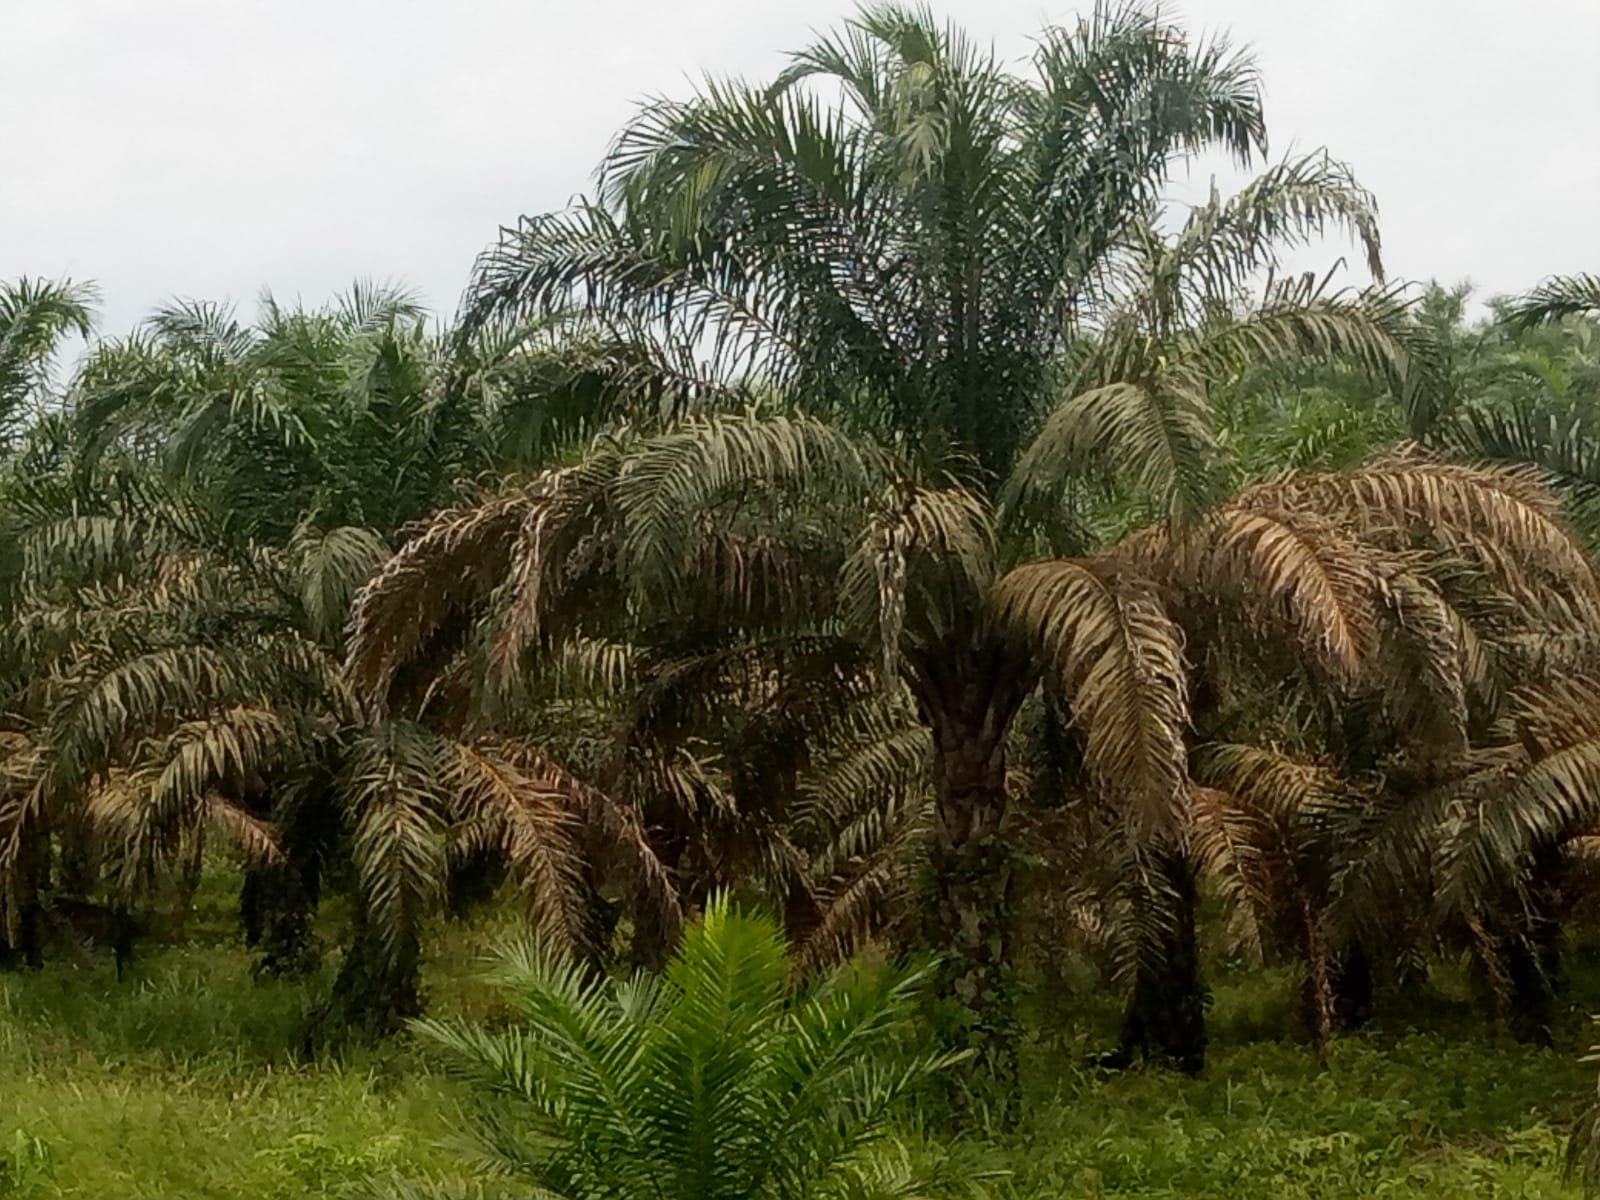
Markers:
point(1118, 660)
point(456, 557)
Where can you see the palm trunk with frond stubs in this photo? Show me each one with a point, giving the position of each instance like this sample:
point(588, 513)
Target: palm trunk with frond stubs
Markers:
point(969, 916)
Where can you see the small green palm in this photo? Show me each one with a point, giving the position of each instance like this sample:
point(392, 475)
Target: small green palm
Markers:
point(716, 1080)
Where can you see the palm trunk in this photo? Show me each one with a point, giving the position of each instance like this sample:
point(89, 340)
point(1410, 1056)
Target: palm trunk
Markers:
point(1166, 1017)
point(379, 987)
point(1352, 988)
point(1319, 966)
point(189, 881)
point(969, 916)
point(473, 881)
point(23, 944)
point(1533, 953)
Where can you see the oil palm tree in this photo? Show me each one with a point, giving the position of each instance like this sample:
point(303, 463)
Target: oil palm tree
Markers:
point(1362, 633)
point(175, 608)
point(905, 240)
point(193, 689)
point(716, 1078)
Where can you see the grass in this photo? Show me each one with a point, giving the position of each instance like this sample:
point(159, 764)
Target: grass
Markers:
point(179, 1083)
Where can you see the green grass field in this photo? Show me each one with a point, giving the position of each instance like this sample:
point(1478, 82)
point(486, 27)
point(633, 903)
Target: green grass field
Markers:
point(179, 1083)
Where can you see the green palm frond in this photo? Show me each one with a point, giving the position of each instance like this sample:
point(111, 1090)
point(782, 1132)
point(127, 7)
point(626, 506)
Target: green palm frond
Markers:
point(1557, 297)
point(1290, 204)
point(36, 315)
point(392, 779)
point(715, 1080)
point(1153, 432)
point(333, 564)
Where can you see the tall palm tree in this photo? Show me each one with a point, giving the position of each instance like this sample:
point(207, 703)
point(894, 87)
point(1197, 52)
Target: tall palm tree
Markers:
point(904, 238)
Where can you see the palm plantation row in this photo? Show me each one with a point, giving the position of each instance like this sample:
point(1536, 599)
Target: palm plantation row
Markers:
point(872, 502)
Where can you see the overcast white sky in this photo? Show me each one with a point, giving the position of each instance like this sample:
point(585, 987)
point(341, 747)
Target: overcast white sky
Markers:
point(211, 147)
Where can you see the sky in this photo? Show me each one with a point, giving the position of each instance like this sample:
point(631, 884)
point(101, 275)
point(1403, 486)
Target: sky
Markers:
point(210, 148)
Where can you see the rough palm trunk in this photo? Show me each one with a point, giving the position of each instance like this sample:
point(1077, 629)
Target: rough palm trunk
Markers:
point(1166, 1016)
point(189, 881)
point(23, 944)
point(969, 913)
point(379, 987)
point(472, 881)
point(277, 909)
point(1352, 988)
point(1533, 954)
point(1319, 980)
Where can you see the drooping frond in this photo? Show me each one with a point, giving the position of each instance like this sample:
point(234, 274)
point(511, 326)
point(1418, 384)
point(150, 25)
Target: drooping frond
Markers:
point(1281, 789)
point(167, 685)
point(457, 555)
point(1420, 663)
point(392, 778)
point(849, 915)
point(1118, 659)
point(332, 565)
point(1367, 330)
point(612, 826)
point(675, 477)
point(1225, 242)
point(946, 531)
point(189, 779)
point(561, 508)
point(256, 839)
point(1229, 842)
point(1153, 432)
point(1293, 574)
point(1501, 517)
point(1557, 297)
point(1542, 793)
point(853, 800)
point(530, 819)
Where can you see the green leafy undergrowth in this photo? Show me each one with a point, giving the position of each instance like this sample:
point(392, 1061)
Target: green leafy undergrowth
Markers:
point(182, 1082)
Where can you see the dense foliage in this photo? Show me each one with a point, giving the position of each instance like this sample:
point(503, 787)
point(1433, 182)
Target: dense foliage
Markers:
point(876, 502)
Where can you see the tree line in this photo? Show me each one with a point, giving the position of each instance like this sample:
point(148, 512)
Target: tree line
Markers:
point(871, 499)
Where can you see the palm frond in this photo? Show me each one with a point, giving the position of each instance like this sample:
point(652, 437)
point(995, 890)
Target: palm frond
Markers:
point(1153, 432)
point(333, 565)
point(1118, 660)
point(1229, 842)
point(1557, 297)
point(946, 530)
